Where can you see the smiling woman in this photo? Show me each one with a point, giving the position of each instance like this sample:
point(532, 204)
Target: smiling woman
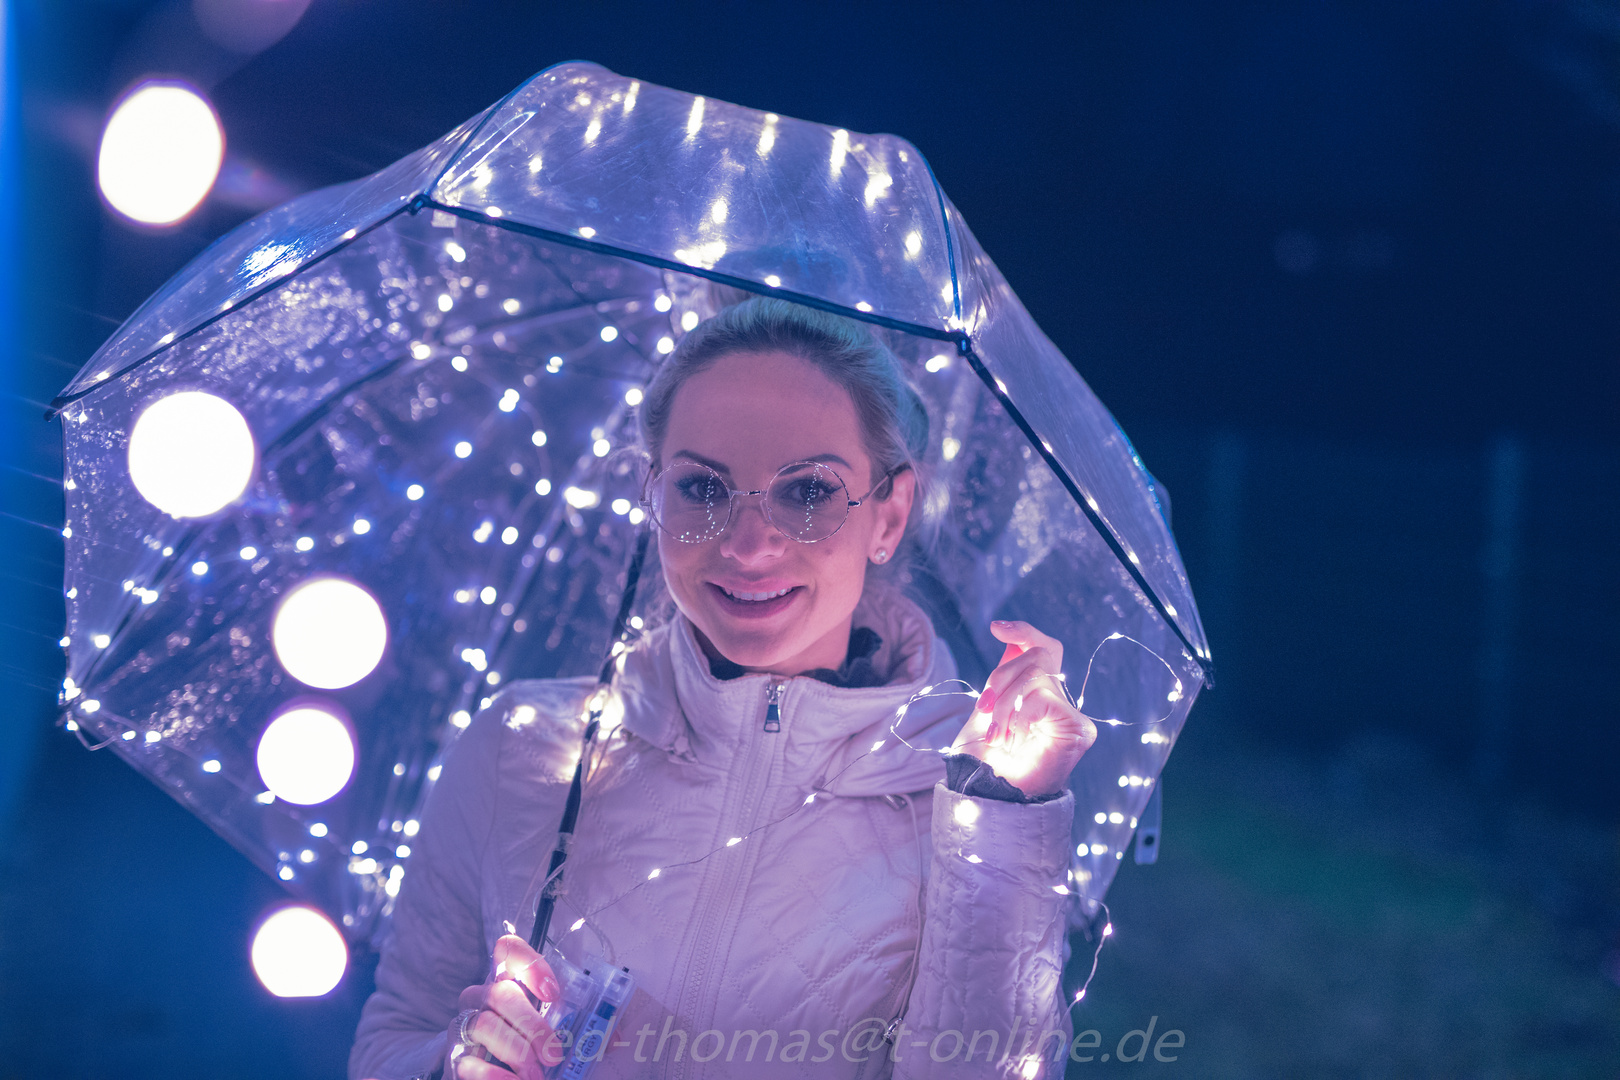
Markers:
point(751, 847)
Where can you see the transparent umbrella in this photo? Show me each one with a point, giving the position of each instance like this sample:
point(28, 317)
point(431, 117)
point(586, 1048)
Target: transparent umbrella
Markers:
point(357, 465)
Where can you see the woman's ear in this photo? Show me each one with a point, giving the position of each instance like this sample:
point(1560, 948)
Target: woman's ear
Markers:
point(893, 513)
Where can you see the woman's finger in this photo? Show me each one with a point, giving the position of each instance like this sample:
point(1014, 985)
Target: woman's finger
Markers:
point(1005, 678)
point(508, 1001)
point(472, 1068)
point(489, 1029)
point(515, 958)
point(1027, 637)
point(1026, 702)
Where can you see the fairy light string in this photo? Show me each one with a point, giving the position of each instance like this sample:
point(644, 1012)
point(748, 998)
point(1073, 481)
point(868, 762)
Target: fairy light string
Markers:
point(594, 752)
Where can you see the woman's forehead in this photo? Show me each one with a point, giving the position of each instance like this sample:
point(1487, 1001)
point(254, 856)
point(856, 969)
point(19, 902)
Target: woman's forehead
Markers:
point(754, 411)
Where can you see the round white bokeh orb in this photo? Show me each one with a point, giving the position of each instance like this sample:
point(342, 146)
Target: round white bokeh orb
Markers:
point(191, 454)
point(329, 633)
point(298, 952)
point(306, 755)
point(160, 153)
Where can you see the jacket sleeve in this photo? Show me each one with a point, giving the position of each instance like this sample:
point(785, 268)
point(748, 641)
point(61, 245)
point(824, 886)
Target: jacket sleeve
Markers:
point(988, 1000)
point(436, 947)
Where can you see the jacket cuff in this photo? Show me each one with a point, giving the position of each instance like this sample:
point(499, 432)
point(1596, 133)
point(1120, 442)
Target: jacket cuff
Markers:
point(967, 775)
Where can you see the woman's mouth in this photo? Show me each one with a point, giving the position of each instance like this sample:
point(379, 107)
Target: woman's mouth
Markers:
point(754, 603)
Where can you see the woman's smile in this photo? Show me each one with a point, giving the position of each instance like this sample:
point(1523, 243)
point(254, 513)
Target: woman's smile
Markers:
point(755, 603)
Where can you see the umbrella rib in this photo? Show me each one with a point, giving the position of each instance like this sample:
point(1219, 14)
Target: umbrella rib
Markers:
point(1017, 417)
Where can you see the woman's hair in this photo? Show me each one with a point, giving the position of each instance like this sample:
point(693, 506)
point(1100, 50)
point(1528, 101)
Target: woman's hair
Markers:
point(894, 424)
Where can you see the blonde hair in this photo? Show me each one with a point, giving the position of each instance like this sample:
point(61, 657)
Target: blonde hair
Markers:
point(894, 424)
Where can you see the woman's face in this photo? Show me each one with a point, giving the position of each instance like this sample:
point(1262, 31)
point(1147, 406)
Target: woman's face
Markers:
point(746, 416)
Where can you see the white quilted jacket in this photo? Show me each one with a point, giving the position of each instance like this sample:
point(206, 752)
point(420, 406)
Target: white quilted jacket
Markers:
point(787, 954)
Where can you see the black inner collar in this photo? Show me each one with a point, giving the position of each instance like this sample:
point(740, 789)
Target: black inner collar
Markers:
point(858, 670)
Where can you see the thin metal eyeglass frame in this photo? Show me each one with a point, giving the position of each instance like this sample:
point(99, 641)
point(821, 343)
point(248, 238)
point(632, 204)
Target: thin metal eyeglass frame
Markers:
point(764, 506)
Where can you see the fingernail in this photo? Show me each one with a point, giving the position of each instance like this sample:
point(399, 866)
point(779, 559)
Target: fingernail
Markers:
point(1001, 622)
point(549, 989)
point(987, 701)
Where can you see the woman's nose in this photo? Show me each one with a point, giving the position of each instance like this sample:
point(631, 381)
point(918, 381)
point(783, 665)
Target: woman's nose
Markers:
point(751, 537)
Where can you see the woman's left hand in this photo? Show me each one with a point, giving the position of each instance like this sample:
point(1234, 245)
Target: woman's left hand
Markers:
point(1023, 726)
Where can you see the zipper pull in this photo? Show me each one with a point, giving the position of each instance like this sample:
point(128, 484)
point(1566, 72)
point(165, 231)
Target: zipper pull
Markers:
point(773, 707)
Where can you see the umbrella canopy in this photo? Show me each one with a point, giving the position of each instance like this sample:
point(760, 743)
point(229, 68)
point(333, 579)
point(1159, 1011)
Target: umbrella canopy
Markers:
point(358, 464)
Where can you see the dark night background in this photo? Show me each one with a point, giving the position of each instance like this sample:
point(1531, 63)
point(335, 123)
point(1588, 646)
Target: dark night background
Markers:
point(1346, 272)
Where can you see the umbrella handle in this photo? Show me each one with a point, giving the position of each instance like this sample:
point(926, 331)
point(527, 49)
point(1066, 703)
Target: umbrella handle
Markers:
point(576, 787)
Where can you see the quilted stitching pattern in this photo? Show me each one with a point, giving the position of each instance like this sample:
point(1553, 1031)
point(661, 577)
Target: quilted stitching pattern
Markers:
point(815, 921)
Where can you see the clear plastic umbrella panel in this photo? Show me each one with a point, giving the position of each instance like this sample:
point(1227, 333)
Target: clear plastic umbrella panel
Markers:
point(357, 464)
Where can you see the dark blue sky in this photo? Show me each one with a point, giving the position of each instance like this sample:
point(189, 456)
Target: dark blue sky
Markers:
point(1389, 219)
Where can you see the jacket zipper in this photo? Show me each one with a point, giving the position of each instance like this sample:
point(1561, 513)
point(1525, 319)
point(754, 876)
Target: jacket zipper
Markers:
point(773, 707)
point(699, 988)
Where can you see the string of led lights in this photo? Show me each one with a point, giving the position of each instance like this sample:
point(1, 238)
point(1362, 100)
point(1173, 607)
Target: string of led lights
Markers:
point(593, 752)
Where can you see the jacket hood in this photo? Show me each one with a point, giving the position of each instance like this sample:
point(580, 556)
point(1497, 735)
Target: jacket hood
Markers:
point(673, 701)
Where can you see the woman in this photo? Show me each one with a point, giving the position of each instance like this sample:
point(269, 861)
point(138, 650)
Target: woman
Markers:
point(792, 898)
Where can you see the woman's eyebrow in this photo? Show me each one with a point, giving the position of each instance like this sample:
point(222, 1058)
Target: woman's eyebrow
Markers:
point(833, 459)
point(701, 460)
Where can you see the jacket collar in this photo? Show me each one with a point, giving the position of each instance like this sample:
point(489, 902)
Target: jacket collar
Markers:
point(673, 701)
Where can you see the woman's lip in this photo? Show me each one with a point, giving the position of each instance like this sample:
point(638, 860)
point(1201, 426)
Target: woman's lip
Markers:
point(753, 609)
point(753, 588)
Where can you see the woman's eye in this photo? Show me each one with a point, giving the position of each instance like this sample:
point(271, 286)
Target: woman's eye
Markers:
point(808, 492)
point(700, 490)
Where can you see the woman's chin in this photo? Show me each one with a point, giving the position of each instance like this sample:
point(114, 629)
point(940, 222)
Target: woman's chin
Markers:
point(747, 649)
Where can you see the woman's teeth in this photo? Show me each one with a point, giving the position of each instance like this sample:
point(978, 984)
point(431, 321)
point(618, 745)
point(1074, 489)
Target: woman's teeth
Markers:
point(756, 597)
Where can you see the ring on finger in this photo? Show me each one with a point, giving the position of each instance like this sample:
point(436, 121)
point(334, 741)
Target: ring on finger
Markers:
point(464, 1023)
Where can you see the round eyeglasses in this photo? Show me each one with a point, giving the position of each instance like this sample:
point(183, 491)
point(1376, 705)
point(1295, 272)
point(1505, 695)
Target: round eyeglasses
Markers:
point(806, 501)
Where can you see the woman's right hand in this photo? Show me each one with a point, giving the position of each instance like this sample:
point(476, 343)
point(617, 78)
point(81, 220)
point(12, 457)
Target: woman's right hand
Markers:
point(507, 1026)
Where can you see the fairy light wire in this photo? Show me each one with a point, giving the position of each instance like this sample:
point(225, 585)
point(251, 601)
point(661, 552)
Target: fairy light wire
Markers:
point(586, 919)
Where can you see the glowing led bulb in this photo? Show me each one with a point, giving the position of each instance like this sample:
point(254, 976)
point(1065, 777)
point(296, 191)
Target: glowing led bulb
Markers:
point(160, 153)
point(191, 454)
point(329, 633)
point(306, 755)
point(297, 952)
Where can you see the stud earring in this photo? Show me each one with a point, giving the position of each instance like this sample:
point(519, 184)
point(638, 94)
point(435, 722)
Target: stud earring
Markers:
point(882, 555)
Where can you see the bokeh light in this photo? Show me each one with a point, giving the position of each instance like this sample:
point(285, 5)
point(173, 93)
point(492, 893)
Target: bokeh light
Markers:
point(329, 633)
point(298, 952)
point(306, 755)
point(160, 153)
point(191, 454)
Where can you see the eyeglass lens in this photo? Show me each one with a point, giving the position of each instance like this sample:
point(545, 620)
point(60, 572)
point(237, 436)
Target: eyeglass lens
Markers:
point(806, 501)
